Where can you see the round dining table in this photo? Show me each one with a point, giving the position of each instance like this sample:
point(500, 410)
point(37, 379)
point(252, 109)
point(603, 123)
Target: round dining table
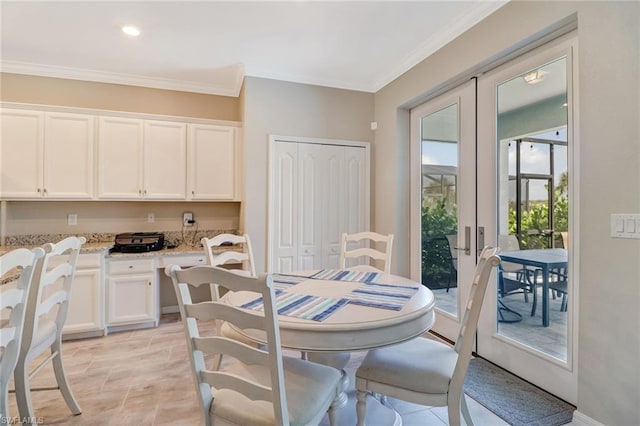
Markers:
point(352, 327)
point(358, 325)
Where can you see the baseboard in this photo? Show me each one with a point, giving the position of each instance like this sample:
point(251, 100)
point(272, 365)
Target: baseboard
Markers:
point(580, 419)
point(127, 327)
point(82, 335)
point(170, 309)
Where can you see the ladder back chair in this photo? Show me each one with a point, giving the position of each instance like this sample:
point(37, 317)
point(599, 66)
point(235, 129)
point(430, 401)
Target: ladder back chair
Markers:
point(372, 239)
point(46, 313)
point(425, 371)
point(242, 256)
point(13, 302)
point(255, 386)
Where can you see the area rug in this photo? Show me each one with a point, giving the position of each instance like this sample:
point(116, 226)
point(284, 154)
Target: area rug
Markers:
point(512, 399)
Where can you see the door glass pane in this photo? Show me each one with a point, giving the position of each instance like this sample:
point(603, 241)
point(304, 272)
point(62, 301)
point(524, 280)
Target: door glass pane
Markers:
point(533, 208)
point(439, 132)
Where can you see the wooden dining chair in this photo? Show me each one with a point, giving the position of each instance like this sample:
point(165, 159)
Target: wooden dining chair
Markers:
point(370, 250)
point(46, 312)
point(13, 301)
point(239, 254)
point(425, 371)
point(257, 385)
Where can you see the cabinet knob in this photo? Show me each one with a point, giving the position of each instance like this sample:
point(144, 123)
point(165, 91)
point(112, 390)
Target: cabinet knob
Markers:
point(193, 192)
point(44, 191)
point(38, 190)
point(307, 251)
point(130, 266)
point(144, 192)
point(140, 191)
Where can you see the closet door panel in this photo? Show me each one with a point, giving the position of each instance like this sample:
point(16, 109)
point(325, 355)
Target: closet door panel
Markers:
point(355, 191)
point(333, 207)
point(311, 175)
point(284, 208)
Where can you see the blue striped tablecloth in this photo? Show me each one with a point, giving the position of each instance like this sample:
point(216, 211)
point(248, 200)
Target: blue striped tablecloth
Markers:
point(345, 275)
point(283, 282)
point(383, 296)
point(300, 305)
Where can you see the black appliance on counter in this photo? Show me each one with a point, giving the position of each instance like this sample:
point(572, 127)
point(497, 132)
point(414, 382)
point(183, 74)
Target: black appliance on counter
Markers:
point(138, 242)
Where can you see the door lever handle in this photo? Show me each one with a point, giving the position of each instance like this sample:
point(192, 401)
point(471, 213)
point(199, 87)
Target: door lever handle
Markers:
point(467, 241)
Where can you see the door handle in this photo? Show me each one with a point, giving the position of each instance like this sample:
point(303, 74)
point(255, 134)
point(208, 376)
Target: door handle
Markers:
point(480, 239)
point(467, 241)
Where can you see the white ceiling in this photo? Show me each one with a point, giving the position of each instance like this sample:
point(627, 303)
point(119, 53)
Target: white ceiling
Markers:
point(209, 46)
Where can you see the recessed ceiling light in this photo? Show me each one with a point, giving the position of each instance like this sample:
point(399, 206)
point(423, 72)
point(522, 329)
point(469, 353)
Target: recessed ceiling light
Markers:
point(131, 30)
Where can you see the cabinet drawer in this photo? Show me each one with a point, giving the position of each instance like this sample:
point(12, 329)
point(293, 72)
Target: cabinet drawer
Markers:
point(85, 261)
point(183, 261)
point(130, 266)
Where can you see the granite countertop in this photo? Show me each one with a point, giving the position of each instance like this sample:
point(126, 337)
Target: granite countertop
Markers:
point(101, 243)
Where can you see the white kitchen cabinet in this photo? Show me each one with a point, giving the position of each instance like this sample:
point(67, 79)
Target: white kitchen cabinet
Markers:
point(141, 159)
point(85, 315)
point(132, 293)
point(317, 192)
point(46, 155)
point(212, 162)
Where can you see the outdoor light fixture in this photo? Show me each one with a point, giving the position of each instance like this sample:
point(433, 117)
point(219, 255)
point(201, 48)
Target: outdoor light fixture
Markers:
point(534, 77)
point(131, 30)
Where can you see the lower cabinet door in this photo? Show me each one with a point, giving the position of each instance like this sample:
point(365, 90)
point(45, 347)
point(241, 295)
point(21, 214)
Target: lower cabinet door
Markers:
point(85, 305)
point(131, 299)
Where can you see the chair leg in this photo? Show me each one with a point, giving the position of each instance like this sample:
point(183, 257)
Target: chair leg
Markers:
point(563, 304)
point(333, 415)
point(535, 300)
point(453, 409)
point(465, 410)
point(361, 406)
point(23, 390)
point(4, 400)
point(61, 378)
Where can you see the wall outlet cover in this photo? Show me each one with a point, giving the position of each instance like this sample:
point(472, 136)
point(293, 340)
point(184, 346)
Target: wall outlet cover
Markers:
point(187, 219)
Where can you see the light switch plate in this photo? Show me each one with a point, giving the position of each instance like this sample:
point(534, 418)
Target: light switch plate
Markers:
point(625, 226)
point(72, 219)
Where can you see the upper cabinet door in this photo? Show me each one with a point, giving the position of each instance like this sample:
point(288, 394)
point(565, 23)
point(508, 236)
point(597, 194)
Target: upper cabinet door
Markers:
point(212, 162)
point(165, 160)
point(46, 155)
point(21, 153)
point(120, 153)
point(68, 156)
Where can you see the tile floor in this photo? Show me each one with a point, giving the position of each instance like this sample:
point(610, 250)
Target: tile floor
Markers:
point(143, 377)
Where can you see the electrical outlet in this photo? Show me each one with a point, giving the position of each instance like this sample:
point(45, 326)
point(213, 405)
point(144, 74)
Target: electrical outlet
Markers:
point(72, 219)
point(151, 217)
point(187, 219)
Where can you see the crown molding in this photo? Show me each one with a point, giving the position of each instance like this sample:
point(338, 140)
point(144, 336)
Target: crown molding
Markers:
point(474, 15)
point(126, 79)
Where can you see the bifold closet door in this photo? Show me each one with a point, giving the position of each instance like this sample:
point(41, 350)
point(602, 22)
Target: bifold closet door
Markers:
point(317, 191)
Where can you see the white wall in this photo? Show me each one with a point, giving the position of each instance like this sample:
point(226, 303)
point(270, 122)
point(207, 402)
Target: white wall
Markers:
point(609, 139)
point(290, 109)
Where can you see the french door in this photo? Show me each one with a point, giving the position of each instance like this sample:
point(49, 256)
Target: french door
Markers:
point(443, 202)
point(526, 180)
point(506, 171)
